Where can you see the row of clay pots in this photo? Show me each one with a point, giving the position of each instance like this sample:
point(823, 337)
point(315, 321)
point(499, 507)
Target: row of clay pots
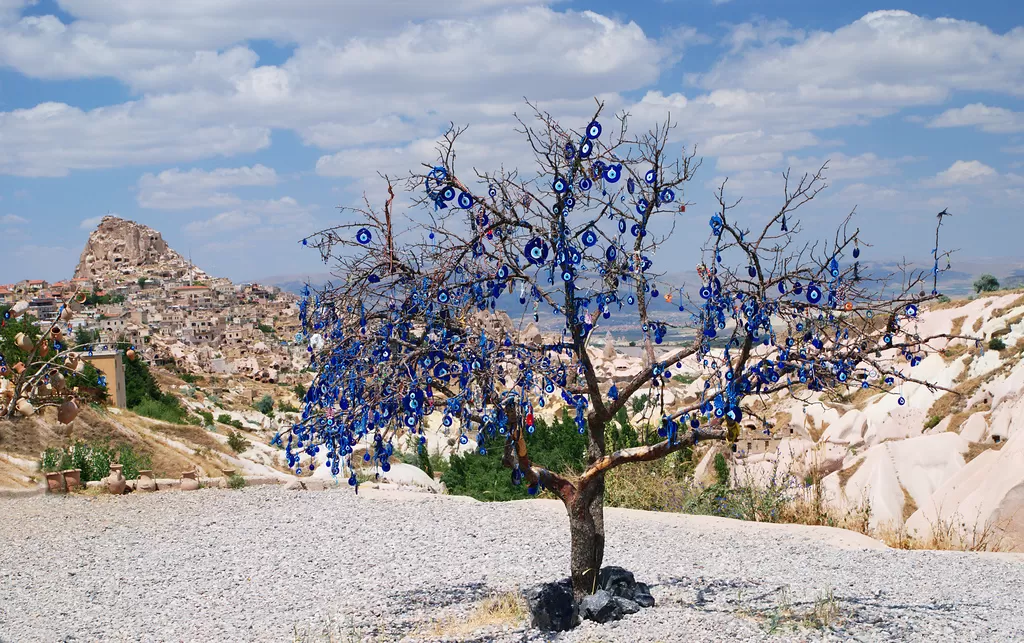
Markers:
point(71, 480)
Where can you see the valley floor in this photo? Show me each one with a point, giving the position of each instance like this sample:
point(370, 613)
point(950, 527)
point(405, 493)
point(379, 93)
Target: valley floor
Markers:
point(267, 564)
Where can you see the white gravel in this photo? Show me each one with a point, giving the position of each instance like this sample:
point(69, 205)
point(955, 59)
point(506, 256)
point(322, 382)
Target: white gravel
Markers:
point(266, 564)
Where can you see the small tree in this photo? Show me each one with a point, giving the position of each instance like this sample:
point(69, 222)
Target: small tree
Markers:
point(986, 283)
point(409, 332)
point(264, 405)
point(42, 365)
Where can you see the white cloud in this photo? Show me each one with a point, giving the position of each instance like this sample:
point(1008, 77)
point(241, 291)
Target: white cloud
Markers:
point(996, 120)
point(222, 223)
point(175, 189)
point(266, 216)
point(964, 173)
point(51, 139)
point(12, 219)
point(91, 222)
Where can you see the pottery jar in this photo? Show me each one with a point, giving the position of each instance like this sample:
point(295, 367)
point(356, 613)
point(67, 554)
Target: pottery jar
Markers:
point(54, 482)
point(115, 481)
point(189, 480)
point(146, 481)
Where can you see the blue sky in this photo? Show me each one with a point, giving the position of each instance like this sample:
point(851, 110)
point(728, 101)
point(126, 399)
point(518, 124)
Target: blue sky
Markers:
point(236, 127)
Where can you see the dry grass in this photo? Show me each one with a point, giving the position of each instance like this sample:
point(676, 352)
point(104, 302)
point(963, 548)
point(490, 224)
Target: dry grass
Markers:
point(978, 323)
point(977, 448)
point(909, 505)
point(812, 428)
point(946, 535)
point(847, 473)
point(999, 312)
point(502, 608)
point(958, 325)
point(951, 353)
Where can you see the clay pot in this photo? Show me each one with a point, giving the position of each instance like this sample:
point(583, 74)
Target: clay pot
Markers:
point(19, 368)
point(57, 381)
point(54, 482)
point(189, 480)
point(57, 333)
point(25, 408)
point(67, 412)
point(66, 314)
point(146, 481)
point(72, 479)
point(115, 481)
point(23, 342)
point(19, 308)
point(227, 476)
point(72, 361)
point(130, 354)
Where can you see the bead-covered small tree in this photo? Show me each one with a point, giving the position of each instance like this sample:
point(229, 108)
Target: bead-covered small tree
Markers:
point(407, 332)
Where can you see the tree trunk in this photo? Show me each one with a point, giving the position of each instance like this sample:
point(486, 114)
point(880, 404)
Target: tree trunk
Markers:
point(586, 531)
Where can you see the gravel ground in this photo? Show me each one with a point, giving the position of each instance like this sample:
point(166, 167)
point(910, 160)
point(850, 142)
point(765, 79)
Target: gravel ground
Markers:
point(266, 564)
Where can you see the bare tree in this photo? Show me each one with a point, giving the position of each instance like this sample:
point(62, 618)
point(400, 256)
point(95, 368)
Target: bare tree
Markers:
point(406, 332)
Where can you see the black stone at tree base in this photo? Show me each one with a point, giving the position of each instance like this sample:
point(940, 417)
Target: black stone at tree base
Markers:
point(618, 594)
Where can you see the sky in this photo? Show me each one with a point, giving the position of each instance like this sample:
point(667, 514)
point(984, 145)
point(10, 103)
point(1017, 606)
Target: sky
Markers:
point(237, 127)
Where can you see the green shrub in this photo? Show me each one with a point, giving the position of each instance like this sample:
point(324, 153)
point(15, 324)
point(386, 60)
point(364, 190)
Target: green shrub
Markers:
point(189, 378)
point(264, 405)
point(224, 418)
point(943, 299)
point(932, 422)
point(996, 344)
point(721, 470)
point(300, 391)
point(235, 481)
point(560, 447)
point(236, 423)
point(286, 407)
point(237, 442)
point(207, 416)
point(166, 409)
point(94, 460)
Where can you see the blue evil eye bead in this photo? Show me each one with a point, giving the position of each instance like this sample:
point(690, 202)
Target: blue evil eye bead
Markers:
point(465, 201)
point(559, 185)
point(503, 273)
point(570, 151)
point(586, 149)
point(567, 275)
point(589, 238)
point(635, 230)
point(641, 206)
point(911, 310)
point(373, 278)
point(856, 252)
point(705, 292)
point(586, 184)
point(630, 186)
point(536, 251)
point(622, 226)
point(668, 196)
point(593, 130)
point(492, 191)
point(447, 421)
point(463, 439)
point(570, 203)
point(902, 400)
point(752, 271)
point(650, 176)
point(631, 300)
point(782, 288)
point(363, 236)
point(833, 267)
point(797, 288)
point(613, 393)
point(305, 242)
point(613, 173)
point(448, 193)
point(443, 297)
point(610, 253)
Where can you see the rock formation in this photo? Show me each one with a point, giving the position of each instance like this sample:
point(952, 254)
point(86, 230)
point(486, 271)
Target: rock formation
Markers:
point(124, 247)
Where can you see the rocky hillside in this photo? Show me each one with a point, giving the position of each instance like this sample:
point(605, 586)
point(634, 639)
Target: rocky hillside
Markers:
point(947, 465)
point(119, 248)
